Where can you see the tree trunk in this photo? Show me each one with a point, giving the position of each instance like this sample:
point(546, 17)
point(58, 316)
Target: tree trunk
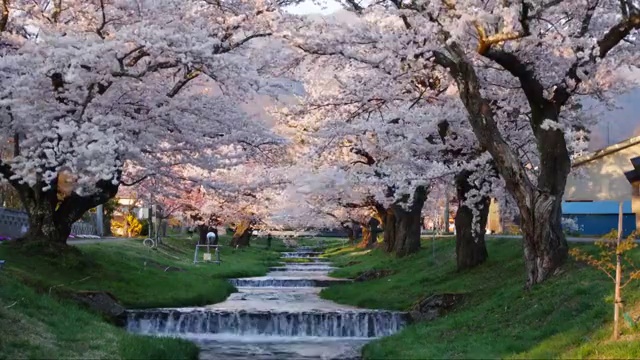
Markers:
point(242, 234)
point(216, 240)
point(402, 226)
point(202, 234)
point(50, 218)
point(471, 250)
point(545, 247)
point(351, 234)
point(369, 234)
point(544, 243)
point(45, 227)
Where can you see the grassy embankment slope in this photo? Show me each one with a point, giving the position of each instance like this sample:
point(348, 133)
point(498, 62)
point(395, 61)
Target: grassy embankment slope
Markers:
point(567, 317)
point(35, 324)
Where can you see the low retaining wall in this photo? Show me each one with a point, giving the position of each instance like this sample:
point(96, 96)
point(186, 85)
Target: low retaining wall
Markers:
point(14, 223)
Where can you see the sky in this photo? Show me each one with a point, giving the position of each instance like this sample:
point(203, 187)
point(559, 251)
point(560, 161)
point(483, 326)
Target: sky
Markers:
point(616, 125)
point(312, 7)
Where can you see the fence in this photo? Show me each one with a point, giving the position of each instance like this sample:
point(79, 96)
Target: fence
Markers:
point(13, 223)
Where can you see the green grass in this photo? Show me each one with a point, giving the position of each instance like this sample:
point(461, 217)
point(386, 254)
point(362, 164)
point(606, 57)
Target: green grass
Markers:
point(566, 317)
point(35, 324)
point(136, 275)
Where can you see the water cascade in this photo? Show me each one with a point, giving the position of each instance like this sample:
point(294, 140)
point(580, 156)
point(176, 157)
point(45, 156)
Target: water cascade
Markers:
point(278, 316)
point(350, 323)
point(288, 255)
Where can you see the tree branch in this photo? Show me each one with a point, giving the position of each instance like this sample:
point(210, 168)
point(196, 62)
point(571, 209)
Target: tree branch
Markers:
point(361, 152)
point(4, 15)
point(104, 22)
point(137, 181)
point(355, 6)
point(483, 123)
point(183, 82)
point(222, 49)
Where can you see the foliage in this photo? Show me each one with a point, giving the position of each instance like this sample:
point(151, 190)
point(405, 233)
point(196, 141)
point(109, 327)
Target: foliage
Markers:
point(96, 99)
point(144, 231)
point(131, 224)
point(571, 227)
point(605, 260)
point(508, 81)
point(634, 325)
point(563, 318)
point(610, 254)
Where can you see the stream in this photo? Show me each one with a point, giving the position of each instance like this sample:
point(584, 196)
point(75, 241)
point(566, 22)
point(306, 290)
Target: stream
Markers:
point(277, 316)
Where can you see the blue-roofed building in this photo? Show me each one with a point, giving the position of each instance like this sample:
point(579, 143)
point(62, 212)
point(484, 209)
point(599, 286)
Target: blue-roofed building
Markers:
point(598, 218)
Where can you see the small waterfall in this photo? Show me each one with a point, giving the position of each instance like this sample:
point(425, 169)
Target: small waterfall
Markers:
point(253, 323)
point(307, 259)
point(302, 268)
point(351, 324)
point(298, 254)
point(286, 282)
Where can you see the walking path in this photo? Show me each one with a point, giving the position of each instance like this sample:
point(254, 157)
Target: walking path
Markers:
point(278, 316)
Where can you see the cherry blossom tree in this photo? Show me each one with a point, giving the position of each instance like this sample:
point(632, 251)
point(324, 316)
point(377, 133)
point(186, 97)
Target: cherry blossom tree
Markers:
point(510, 63)
point(379, 126)
point(114, 92)
point(320, 198)
point(380, 136)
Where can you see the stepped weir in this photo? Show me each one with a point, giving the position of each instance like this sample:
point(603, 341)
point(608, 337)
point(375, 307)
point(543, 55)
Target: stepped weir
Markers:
point(277, 316)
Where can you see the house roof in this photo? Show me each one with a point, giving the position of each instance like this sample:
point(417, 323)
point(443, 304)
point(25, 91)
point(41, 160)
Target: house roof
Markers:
point(606, 151)
point(595, 207)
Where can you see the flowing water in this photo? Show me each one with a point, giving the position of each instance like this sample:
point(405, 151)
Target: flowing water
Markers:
point(278, 316)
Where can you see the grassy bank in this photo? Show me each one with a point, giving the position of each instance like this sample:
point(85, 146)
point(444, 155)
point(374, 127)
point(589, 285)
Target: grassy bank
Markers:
point(567, 317)
point(37, 322)
point(37, 326)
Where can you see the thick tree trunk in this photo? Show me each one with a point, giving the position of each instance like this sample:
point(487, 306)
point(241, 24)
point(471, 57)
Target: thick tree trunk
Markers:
point(46, 226)
point(544, 243)
point(471, 250)
point(50, 218)
point(402, 226)
point(545, 247)
point(369, 234)
point(242, 234)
